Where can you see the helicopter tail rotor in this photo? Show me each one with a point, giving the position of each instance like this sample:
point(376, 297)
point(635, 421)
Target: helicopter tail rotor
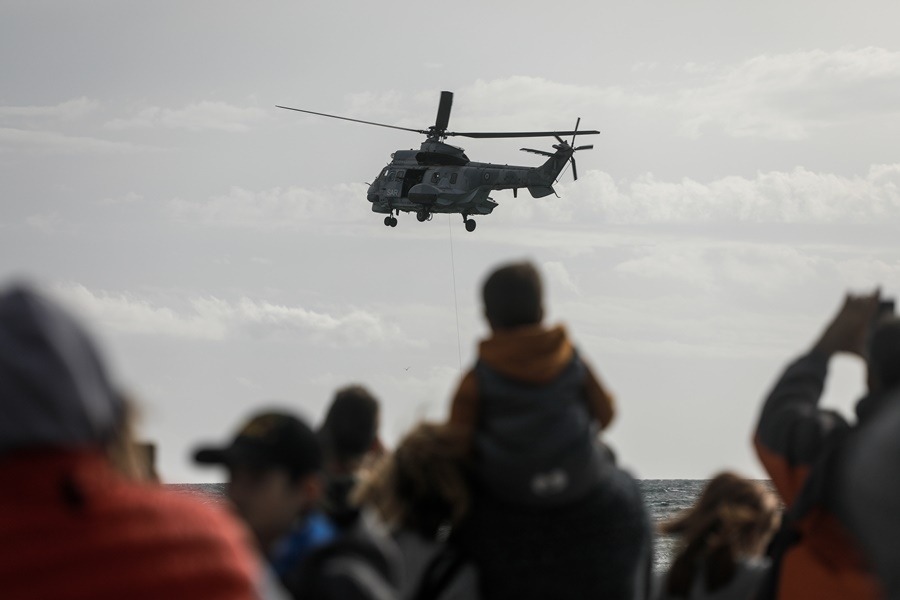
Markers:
point(575, 149)
point(565, 147)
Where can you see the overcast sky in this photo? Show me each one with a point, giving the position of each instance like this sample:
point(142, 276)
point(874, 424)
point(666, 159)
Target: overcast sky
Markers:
point(224, 252)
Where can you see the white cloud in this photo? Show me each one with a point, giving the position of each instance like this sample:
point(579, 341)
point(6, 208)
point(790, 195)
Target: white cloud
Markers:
point(694, 324)
point(249, 384)
point(757, 269)
point(686, 266)
point(863, 273)
point(377, 105)
point(46, 223)
point(778, 97)
point(529, 103)
point(199, 116)
point(797, 196)
point(51, 141)
point(644, 66)
point(129, 198)
point(71, 109)
point(788, 96)
point(559, 275)
point(510, 104)
point(278, 208)
point(126, 313)
point(211, 318)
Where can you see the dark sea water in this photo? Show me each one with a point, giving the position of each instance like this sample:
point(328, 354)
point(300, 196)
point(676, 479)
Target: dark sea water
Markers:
point(663, 498)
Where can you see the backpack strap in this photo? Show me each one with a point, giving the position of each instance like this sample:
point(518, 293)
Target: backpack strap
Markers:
point(441, 570)
point(349, 567)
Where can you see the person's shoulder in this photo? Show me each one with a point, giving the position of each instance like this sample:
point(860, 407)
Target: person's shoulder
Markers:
point(180, 515)
point(167, 544)
point(363, 562)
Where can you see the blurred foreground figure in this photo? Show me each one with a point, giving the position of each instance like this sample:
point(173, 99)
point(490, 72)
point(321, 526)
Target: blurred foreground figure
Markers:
point(723, 539)
point(350, 441)
point(275, 483)
point(803, 446)
point(870, 490)
point(72, 525)
point(552, 516)
point(421, 491)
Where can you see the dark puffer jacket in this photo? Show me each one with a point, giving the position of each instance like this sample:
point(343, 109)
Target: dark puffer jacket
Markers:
point(598, 547)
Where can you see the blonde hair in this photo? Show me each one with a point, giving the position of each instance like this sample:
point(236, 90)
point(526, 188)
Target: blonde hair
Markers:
point(423, 484)
point(733, 517)
point(132, 459)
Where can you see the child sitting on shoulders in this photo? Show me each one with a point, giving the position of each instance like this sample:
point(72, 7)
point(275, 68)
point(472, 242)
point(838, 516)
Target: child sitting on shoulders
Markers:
point(531, 407)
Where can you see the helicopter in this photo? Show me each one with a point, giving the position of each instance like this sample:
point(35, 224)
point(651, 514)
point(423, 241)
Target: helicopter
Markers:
point(440, 178)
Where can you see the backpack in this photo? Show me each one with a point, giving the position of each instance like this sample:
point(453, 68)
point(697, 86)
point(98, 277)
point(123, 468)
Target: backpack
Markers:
point(440, 571)
point(355, 566)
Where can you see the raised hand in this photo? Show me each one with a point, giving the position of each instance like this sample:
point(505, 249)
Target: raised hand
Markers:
point(848, 329)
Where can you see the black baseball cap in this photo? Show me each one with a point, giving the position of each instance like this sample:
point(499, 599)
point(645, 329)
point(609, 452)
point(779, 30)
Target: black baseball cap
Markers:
point(269, 439)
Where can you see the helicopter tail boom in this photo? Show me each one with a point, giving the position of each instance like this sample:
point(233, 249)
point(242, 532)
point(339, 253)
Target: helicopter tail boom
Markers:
point(553, 166)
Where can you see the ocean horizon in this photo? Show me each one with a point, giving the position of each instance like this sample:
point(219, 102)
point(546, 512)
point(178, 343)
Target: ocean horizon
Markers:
point(663, 498)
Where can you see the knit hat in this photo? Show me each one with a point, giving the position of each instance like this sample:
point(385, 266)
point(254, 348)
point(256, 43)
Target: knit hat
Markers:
point(54, 390)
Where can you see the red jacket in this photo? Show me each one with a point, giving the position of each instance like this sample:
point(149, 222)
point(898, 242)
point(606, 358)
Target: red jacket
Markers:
point(72, 528)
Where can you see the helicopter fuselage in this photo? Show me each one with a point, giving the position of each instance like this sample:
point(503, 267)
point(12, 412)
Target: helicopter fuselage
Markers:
point(453, 184)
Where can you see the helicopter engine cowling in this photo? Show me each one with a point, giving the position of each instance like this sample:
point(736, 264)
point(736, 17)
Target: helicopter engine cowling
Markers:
point(423, 193)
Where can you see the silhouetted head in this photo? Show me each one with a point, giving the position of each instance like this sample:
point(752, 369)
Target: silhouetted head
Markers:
point(54, 388)
point(513, 296)
point(884, 356)
point(273, 472)
point(350, 429)
point(733, 518)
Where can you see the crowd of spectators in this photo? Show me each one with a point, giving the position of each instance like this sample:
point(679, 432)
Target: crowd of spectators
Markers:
point(516, 495)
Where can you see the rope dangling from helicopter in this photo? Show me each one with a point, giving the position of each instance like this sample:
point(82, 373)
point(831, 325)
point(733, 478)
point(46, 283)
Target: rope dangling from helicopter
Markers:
point(455, 301)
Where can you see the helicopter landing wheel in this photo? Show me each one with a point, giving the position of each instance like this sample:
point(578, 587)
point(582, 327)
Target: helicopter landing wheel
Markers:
point(422, 216)
point(393, 222)
point(387, 221)
point(470, 225)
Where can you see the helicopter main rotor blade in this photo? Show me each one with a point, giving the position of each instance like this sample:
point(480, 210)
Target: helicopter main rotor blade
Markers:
point(533, 151)
point(443, 113)
point(354, 120)
point(519, 134)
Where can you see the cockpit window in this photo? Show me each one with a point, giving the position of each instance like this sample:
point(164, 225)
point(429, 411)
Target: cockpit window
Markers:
point(384, 173)
point(400, 174)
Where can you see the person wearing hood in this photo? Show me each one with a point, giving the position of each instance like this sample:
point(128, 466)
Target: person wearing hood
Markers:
point(77, 517)
point(529, 377)
point(530, 413)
